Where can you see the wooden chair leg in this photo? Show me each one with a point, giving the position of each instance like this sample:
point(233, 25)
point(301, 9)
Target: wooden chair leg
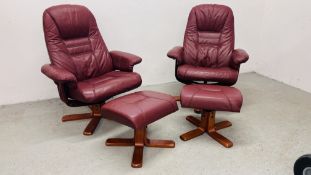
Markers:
point(74, 117)
point(94, 115)
point(96, 111)
point(177, 98)
point(90, 128)
point(139, 141)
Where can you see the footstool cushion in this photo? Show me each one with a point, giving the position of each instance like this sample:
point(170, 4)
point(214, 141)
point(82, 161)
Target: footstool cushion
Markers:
point(139, 109)
point(211, 97)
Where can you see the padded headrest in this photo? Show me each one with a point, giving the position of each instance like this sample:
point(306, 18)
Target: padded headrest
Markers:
point(211, 18)
point(72, 21)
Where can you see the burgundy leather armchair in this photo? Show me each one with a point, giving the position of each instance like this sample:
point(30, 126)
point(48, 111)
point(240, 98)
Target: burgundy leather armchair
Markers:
point(208, 54)
point(83, 69)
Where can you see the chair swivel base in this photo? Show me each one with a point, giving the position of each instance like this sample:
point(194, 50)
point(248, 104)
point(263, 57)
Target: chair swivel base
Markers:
point(95, 117)
point(207, 125)
point(139, 141)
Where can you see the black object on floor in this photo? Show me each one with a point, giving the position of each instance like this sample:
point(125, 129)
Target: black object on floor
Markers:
point(303, 165)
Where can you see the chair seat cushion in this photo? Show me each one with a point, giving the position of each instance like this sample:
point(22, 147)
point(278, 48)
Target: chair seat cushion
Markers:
point(211, 97)
point(139, 109)
point(196, 73)
point(101, 88)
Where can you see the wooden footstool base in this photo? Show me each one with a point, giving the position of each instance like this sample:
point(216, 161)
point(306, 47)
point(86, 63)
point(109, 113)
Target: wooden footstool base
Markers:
point(138, 110)
point(210, 98)
point(139, 141)
point(207, 125)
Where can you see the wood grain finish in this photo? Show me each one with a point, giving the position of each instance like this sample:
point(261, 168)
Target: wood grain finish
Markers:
point(207, 125)
point(139, 141)
point(120, 142)
point(90, 128)
point(193, 120)
point(74, 117)
point(94, 115)
point(177, 98)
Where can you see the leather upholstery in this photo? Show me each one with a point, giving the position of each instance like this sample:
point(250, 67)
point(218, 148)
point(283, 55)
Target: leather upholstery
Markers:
point(209, 36)
point(211, 98)
point(74, 42)
point(176, 53)
point(79, 57)
point(124, 61)
point(209, 43)
point(139, 109)
point(58, 74)
point(225, 75)
point(105, 86)
point(239, 56)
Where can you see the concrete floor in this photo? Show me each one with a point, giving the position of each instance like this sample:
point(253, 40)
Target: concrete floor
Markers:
point(271, 132)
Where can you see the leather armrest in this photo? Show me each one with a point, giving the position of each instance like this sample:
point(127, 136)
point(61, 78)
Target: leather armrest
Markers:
point(124, 61)
point(176, 53)
point(58, 74)
point(239, 56)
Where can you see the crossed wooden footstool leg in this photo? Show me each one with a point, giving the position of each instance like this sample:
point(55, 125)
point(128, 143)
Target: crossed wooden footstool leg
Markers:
point(207, 125)
point(139, 141)
point(138, 110)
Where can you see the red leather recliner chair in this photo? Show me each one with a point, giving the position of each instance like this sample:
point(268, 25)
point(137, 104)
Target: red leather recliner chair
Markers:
point(208, 54)
point(83, 69)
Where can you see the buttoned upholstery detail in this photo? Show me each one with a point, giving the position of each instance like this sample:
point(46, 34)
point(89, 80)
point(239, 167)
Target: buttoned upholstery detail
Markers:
point(139, 109)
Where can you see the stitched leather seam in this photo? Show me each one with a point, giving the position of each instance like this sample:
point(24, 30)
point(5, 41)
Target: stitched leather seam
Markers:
point(75, 67)
point(194, 93)
point(79, 54)
point(228, 100)
point(93, 89)
point(139, 108)
point(220, 36)
point(78, 45)
point(186, 73)
point(172, 104)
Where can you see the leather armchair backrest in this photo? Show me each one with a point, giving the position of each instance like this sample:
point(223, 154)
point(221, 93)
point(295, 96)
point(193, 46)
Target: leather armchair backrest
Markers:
point(209, 36)
point(74, 41)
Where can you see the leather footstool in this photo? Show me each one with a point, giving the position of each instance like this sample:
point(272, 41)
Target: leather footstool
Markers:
point(137, 110)
point(210, 98)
